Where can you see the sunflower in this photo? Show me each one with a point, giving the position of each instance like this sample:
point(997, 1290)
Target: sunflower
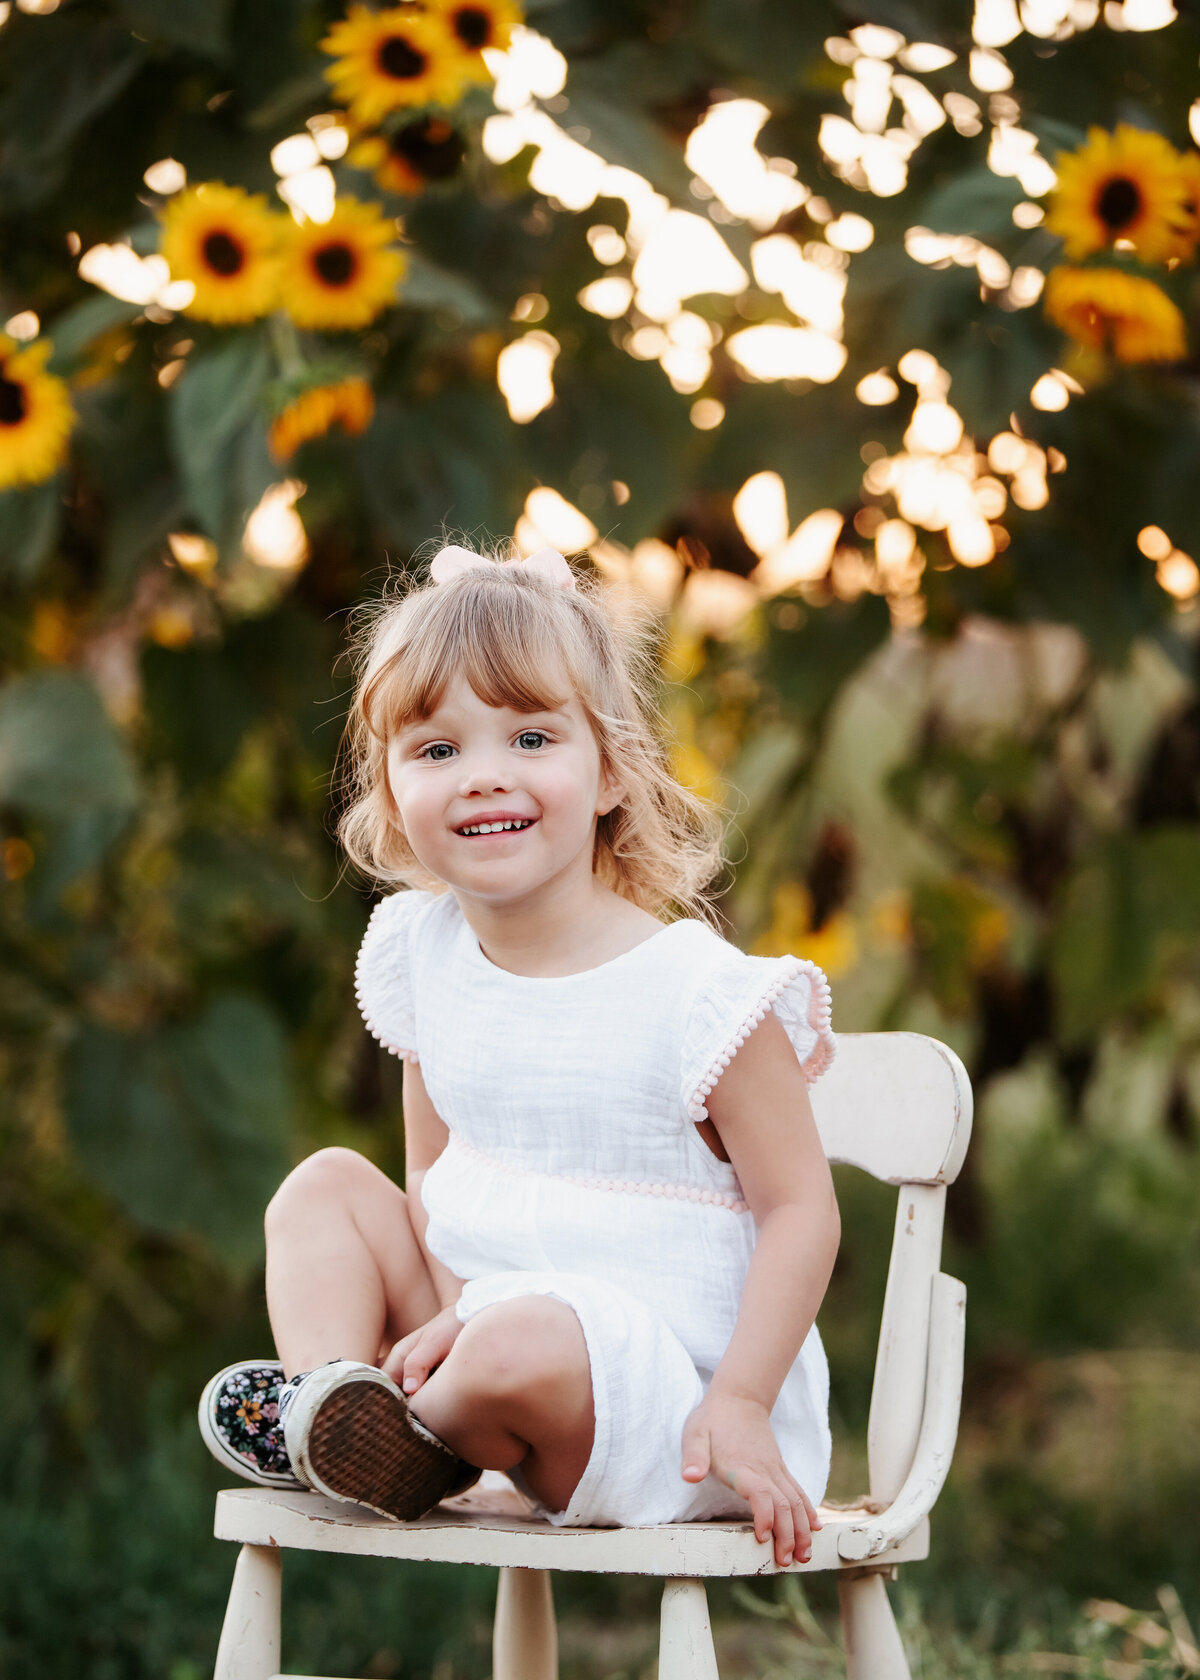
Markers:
point(341, 273)
point(427, 148)
point(385, 61)
point(348, 404)
point(1098, 306)
point(226, 242)
point(1127, 185)
point(36, 416)
point(1189, 169)
point(476, 24)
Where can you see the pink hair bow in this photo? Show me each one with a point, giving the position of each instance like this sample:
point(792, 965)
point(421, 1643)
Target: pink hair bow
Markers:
point(547, 563)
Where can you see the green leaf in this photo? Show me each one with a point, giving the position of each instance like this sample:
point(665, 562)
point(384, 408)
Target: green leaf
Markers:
point(29, 521)
point(427, 285)
point(450, 460)
point(1056, 136)
point(199, 708)
point(207, 409)
point(59, 754)
point(1129, 914)
point(808, 665)
point(186, 1126)
point(976, 202)
point(136, 530)
point(623, 135)
point(59, 73)
point(811, 441)
point(202, 25)
point(77, 328)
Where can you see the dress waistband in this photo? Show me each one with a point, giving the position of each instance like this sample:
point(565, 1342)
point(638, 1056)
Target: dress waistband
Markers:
point(627, 1186)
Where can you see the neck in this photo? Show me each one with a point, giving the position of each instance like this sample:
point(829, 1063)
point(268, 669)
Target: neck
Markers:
point(566, 926)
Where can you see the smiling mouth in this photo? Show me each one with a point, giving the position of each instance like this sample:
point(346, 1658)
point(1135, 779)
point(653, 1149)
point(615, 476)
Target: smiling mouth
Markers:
point(469, 830)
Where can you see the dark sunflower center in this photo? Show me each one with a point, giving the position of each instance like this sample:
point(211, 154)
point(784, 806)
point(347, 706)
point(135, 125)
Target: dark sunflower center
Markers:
point(336, 264)
point(399, 59)
point(223, 254)
point(13, 406)
point(1118, 202)
point(473, 26)
point(431, 146)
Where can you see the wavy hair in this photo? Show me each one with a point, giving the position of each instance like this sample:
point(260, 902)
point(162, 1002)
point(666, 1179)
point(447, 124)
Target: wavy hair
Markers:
point(511, 633)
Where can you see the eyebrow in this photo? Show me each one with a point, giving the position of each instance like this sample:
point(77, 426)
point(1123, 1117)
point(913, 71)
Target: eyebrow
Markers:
point(421, 725)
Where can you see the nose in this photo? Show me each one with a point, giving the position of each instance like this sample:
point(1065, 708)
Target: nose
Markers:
point(481, 772)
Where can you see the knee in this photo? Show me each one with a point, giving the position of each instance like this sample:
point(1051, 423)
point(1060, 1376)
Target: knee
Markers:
point(518, 1345)
point(327, 1176)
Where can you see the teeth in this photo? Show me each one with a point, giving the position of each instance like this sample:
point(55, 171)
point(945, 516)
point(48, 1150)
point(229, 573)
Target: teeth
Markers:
point(496, 827)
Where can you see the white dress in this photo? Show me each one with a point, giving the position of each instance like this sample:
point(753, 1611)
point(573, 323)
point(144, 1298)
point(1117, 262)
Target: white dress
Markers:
point(575, 1170)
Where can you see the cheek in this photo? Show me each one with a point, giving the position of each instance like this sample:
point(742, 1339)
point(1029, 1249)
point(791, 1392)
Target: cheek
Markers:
point(575, 792)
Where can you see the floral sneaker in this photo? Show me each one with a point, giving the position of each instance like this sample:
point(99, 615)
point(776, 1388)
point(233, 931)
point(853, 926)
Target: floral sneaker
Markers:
point(352, 1437)
point(241, 1424)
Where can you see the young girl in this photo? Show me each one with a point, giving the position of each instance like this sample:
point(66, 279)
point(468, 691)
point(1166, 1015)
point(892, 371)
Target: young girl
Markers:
point(619, 1222)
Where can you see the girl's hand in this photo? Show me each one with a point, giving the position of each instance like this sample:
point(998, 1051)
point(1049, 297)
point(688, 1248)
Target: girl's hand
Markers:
point(733, 1439)
point(414, 1356)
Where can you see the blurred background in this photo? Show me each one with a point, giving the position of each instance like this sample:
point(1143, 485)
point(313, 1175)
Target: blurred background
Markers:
point(857, 342)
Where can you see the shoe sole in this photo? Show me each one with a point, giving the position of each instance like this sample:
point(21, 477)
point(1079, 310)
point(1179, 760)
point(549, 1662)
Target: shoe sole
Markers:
point(356, 1441)
point(219, 1447)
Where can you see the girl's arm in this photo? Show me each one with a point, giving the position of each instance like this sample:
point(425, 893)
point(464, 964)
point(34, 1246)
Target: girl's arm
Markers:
point(425, 1136)
point(761, 1110)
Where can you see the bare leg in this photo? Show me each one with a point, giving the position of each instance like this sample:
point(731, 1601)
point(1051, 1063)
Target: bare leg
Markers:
point(345, 1273)
point(516, 1389)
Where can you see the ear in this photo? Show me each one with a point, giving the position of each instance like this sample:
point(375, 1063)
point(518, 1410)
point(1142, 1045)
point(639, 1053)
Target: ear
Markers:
point(611, 792)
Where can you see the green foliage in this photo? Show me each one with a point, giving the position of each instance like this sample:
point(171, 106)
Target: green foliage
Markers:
point(210, 413)
point(186, 1127)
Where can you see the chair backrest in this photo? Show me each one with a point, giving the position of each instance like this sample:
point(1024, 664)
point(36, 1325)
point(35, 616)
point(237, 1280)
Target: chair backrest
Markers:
point(898, 1105)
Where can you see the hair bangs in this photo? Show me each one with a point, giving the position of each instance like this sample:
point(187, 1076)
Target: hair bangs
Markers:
point(502, 642)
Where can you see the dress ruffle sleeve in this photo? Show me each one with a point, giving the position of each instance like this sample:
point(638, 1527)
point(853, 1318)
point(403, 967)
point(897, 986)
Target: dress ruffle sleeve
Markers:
point(383, 974)
point(730, 1003)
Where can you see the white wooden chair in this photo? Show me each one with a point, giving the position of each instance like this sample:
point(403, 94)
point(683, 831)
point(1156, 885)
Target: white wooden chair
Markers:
point(895, 1104)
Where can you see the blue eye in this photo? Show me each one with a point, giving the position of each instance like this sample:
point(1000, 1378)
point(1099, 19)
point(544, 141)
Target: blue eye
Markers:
point(531, 739)
point(438, 752)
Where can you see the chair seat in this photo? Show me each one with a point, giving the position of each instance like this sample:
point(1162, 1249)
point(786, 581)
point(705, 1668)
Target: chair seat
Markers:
point(494, 1527)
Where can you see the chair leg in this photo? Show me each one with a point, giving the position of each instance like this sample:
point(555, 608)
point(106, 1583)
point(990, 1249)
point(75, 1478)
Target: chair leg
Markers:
point(249, 1648)
point(873, 1648)
point(525, 1637)
point(685, 1650)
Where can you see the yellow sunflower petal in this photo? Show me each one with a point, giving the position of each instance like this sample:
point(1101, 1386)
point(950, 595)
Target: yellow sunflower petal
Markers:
point(342, 273)
point(1103, 306)
point(1126, 186)
point(348, 404)
point(385, 61)
point(36, 416)
point(226, 242)
point(476, 25)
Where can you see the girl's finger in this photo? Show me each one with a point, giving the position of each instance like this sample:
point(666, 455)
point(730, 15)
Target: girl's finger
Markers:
point(802, 1528)
point(785, 1532)
point(762, 1511)
point(394, 1363)
point(697, 1458)
point(418, 1365)
point(814, 1516)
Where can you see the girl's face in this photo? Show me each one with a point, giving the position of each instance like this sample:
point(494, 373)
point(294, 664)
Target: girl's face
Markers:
point(533, 779)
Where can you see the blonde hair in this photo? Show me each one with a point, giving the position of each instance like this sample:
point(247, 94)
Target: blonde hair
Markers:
point(508, 631)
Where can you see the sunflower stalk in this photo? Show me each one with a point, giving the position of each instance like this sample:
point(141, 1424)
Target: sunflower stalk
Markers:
point(285, 341)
